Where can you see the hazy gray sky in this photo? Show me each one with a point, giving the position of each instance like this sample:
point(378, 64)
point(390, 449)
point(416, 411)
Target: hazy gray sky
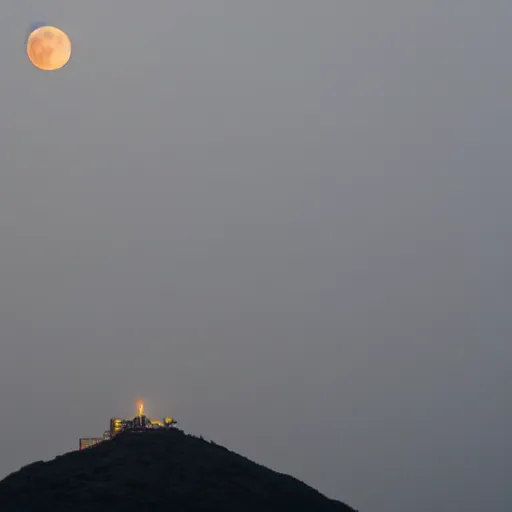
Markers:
point(287, 223)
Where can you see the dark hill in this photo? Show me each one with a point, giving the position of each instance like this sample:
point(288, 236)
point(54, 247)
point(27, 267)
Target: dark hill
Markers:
point(164, 471)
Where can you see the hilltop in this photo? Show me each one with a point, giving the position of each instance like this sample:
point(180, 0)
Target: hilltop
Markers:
point(157, 471)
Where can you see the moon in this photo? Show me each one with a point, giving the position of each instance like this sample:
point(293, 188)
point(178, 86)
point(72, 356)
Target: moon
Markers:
point(48, 48)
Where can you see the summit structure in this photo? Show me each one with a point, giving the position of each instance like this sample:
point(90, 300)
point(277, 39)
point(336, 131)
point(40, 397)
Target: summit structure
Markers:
point(140, 423)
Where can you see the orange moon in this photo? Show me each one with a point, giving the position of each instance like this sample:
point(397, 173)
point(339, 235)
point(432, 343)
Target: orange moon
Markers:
point(48, 48)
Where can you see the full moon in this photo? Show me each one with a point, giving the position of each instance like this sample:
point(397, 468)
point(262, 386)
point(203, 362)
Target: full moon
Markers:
point(48, 48)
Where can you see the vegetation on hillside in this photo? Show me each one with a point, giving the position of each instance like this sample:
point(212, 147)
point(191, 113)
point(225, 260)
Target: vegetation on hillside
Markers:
point(164, 471)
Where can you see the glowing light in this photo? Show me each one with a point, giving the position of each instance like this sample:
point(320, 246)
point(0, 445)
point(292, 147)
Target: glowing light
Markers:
point(48, 48)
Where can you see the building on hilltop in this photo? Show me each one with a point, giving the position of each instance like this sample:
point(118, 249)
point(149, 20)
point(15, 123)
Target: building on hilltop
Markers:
point(86, 442)
point(139, 423)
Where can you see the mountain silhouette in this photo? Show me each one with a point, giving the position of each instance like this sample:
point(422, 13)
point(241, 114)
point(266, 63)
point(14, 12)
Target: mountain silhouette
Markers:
point(160, 471)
